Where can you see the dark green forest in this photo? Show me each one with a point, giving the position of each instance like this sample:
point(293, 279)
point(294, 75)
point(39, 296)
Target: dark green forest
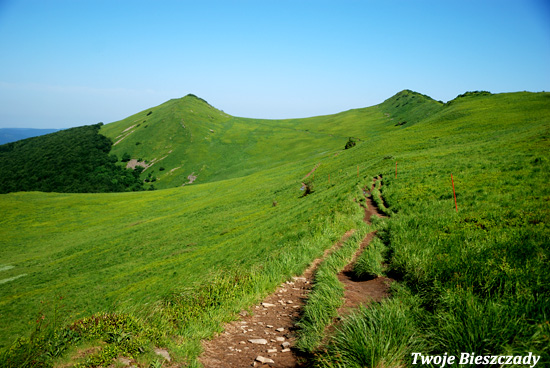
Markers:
point(74, 160)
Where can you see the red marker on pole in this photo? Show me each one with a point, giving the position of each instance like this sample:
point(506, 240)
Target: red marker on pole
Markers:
point(452, 181)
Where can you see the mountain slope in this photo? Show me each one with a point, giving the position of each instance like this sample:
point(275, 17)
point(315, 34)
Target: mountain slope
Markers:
point(187, 137)
point(408, 108)
point(170, 266)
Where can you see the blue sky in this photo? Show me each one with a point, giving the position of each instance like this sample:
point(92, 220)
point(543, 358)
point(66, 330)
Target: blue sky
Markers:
point(74, 62)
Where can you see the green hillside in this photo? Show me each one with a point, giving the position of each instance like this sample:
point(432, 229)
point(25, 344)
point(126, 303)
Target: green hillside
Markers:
point(187, 136)
point(120, 273)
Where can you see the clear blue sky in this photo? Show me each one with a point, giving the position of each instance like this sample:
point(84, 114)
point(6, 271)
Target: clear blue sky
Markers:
point(66, 63)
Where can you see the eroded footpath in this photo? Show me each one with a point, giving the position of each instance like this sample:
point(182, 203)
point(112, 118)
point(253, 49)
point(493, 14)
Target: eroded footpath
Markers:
point(266, 337)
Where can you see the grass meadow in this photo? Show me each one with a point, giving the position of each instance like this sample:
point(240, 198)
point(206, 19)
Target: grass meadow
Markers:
point(475, 280)
point(121, 273)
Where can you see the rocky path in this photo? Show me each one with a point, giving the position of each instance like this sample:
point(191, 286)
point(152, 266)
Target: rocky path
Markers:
point(266, 338)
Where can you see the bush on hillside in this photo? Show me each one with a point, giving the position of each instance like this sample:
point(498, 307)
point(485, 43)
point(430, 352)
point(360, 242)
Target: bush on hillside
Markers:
point(474, 94)
point(469, 94)
point(307, 187)
point(350, 143)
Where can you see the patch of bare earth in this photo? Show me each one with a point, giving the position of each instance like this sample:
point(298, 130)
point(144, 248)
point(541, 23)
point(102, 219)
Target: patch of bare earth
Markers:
point(191, 177)
point(134, 162)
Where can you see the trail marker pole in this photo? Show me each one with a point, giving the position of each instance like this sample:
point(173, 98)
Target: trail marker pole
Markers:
point(454, 194)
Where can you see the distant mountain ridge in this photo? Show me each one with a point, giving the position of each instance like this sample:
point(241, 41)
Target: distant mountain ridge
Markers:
point(8, 135)
point(187, 140)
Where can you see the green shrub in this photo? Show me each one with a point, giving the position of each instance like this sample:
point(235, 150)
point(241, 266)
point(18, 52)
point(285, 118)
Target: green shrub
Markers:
point(350, 143)
point(307, 187)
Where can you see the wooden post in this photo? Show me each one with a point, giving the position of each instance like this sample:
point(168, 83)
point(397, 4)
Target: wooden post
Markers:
point(454, 194)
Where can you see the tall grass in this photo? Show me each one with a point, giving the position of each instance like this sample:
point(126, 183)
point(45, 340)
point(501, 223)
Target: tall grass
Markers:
point(382, 335)
point(327, 293)
point(181, 261)
point(370, 262)
point(478, 275)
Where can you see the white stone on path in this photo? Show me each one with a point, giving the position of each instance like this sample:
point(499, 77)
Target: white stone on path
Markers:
point(263, 360)
point(258, 341)
point(267, 305)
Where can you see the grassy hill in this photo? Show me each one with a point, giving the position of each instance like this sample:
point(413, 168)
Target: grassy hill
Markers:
point(126, 271)
point(187, 137)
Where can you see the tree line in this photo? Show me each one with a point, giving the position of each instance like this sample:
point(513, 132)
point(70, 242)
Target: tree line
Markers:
point(74, 160)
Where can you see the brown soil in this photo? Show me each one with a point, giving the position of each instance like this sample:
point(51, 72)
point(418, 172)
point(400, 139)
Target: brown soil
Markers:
point(274, 319)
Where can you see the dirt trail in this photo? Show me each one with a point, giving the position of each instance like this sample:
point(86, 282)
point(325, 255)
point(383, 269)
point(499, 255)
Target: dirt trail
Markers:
point(363, 291)
point(312, 171)
point(273, 321)
point(266, 338)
